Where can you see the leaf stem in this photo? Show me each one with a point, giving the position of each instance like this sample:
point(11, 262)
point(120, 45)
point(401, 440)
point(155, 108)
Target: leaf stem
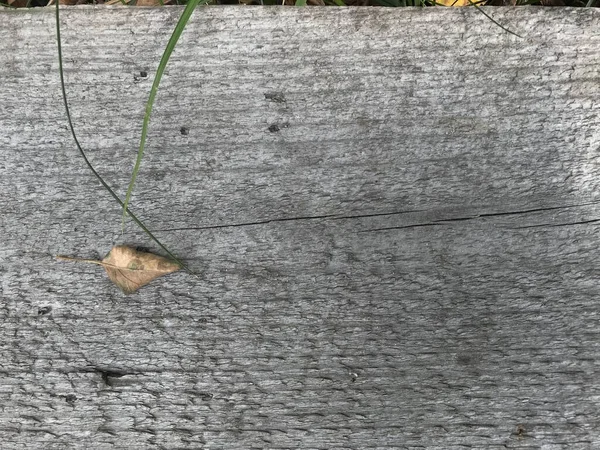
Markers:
point(69, 258)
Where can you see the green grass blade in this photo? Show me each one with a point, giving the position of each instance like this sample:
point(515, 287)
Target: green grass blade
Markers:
point(185, 16)
point(300, 3)
point(489, 17)
point(106, 186)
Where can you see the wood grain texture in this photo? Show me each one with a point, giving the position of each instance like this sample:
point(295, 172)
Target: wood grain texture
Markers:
point(393, 214)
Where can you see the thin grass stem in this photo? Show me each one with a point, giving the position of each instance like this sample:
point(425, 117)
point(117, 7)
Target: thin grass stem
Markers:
point(104, 184)
point(185, 16)
point(489, 17)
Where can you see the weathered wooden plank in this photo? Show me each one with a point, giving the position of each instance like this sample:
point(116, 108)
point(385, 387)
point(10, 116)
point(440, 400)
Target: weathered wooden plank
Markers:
point(393, 214)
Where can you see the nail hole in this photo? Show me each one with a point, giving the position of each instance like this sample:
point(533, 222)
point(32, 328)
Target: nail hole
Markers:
point(278, 126)
point(43, 310)
point(143, 74)
point(184, 131)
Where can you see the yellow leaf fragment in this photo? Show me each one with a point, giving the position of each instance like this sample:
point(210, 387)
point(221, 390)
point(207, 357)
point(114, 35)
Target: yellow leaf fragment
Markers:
point(131, 269)
point(454, 2)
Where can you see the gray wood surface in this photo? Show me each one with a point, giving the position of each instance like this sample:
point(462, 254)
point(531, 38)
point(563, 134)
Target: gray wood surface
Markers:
point(394, 214)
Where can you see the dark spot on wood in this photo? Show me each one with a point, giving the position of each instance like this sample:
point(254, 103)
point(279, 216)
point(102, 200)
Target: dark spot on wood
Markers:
point(205, 396)
point(520, 431)
point(70, 398)
point(464, 359)
point(184, 131)
point(43, 310)
point(274, 128)
point(108, 374)
point(138, 76)
point(276, 97)
point(106, 429)
point(32, 418)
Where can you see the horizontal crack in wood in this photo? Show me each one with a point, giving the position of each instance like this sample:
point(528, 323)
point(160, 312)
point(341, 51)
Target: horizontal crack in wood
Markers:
point(290, 219)
point(479, 216)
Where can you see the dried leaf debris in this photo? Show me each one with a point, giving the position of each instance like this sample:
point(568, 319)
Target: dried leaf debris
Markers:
point(131, 269)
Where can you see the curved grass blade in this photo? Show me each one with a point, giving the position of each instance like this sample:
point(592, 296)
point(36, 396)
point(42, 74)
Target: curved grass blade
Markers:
point(489, 17)
point(185, 16)
point(106, 186)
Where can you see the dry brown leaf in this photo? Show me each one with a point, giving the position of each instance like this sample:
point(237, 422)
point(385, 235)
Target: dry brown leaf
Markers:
point(131, 269)
point(18, 3)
